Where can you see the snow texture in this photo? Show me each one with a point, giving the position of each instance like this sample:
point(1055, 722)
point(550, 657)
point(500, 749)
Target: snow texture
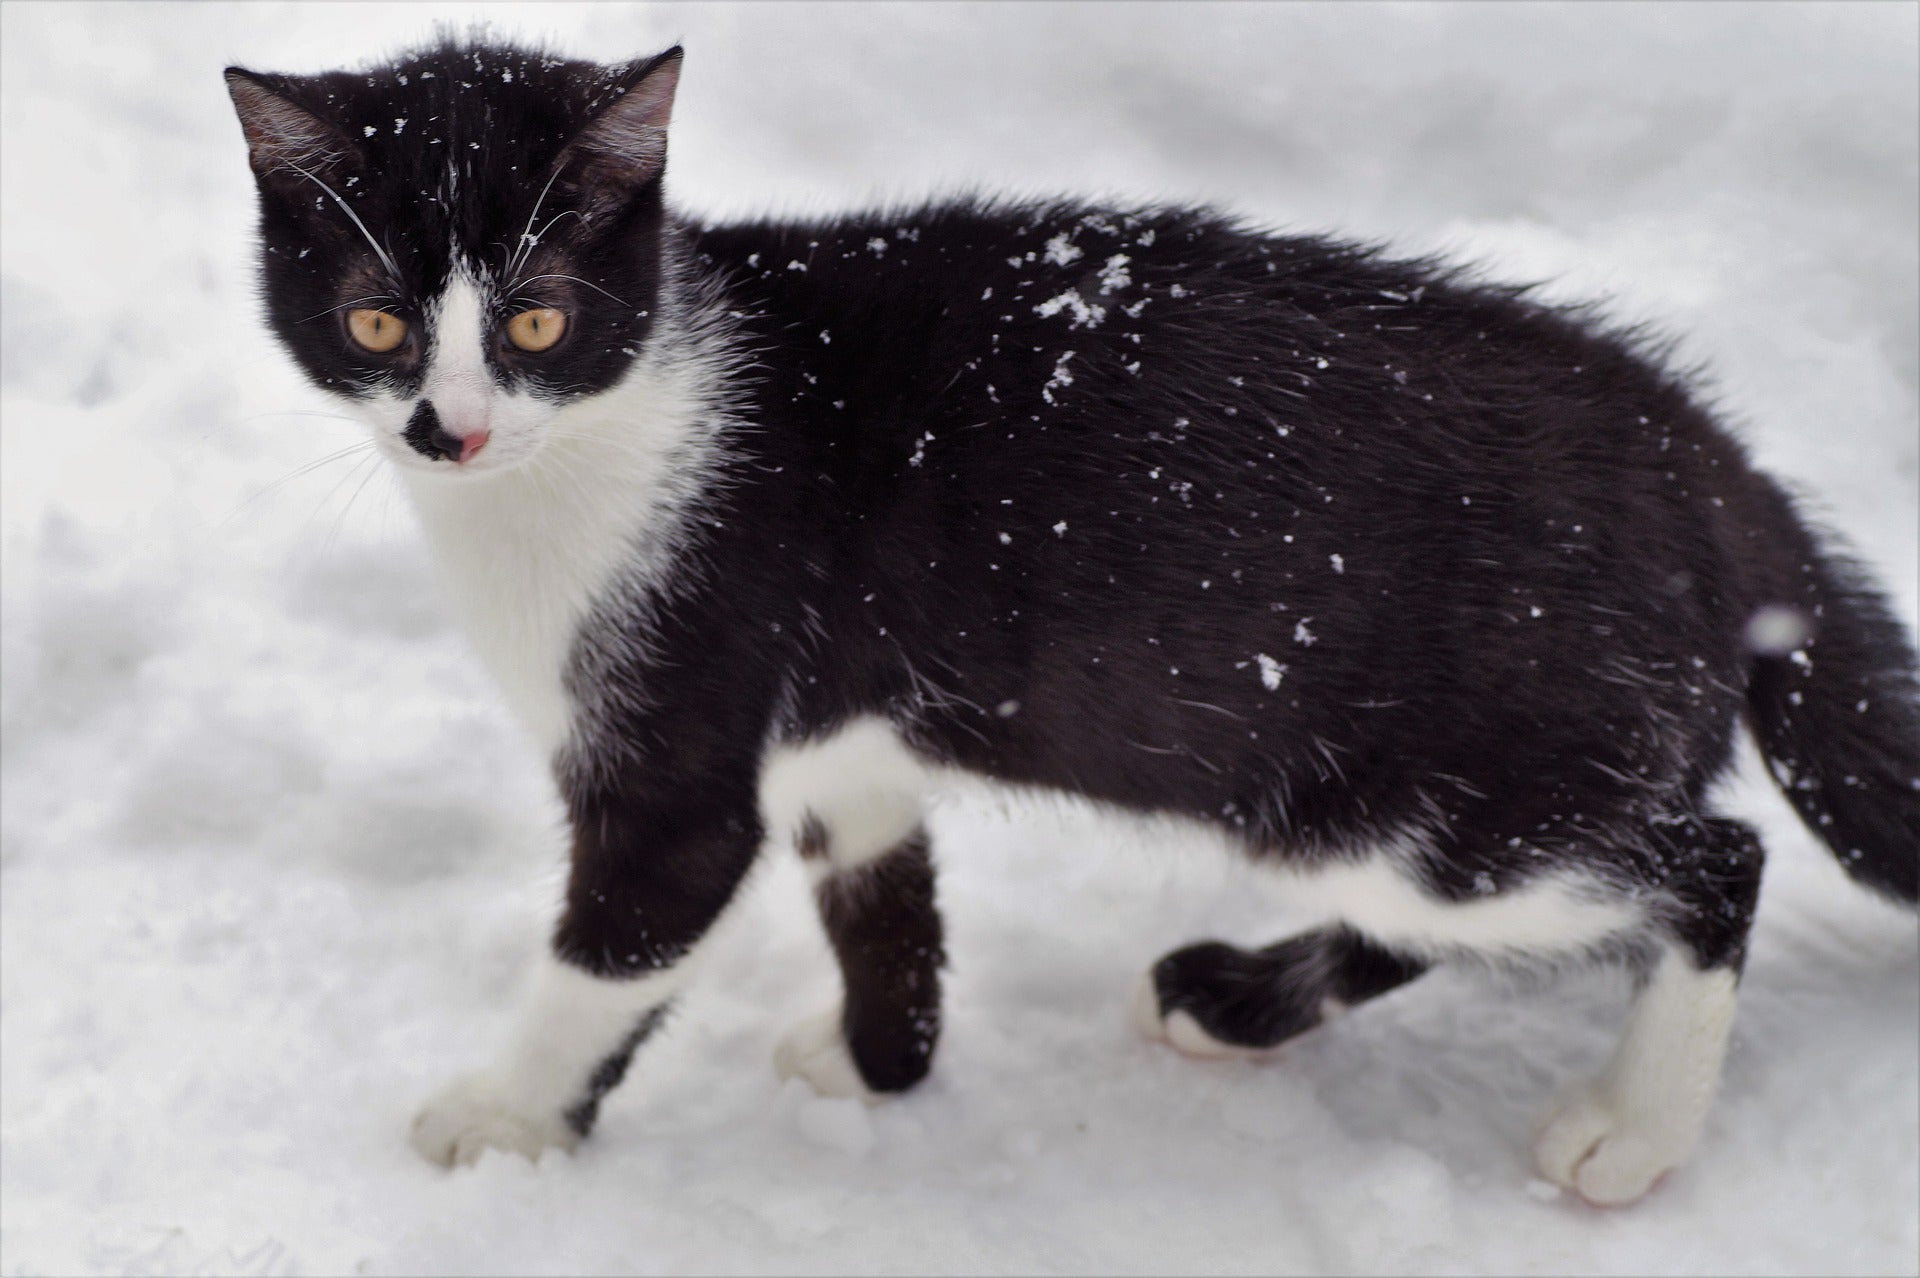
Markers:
point(274, 859)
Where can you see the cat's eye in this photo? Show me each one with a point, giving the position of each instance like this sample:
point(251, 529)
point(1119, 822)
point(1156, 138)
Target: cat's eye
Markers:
point(537, 329)
point(376, 331)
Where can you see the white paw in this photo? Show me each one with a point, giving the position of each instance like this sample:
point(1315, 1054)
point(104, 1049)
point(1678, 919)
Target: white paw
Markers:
point(1590, 1146)
point(816, 1050)
point(1180, 1031)
point(477, 1113)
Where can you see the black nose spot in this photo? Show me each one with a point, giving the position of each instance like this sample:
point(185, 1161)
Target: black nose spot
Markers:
point(425, 436)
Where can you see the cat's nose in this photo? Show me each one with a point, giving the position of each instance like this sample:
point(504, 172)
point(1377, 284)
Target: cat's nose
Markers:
point(426, 436)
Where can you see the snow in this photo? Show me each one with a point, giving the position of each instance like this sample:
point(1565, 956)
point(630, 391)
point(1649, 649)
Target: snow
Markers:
point(272, 858)
point(1061, 252)
point(1084, 312)
point(1776, 630)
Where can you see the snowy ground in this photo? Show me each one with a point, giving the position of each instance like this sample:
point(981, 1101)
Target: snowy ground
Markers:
point(272, 856)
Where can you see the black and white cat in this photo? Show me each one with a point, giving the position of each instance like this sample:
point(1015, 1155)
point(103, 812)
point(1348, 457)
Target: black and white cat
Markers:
point(1445, 605)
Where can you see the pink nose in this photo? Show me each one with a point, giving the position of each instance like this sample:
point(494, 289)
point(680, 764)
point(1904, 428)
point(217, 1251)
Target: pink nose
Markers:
point(427, 436)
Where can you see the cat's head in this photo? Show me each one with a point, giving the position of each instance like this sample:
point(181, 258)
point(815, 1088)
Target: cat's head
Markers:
point(464, 242)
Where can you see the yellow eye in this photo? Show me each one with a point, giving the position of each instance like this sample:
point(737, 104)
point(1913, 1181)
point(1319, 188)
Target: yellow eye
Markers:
point(537, 329)
point(376, 331)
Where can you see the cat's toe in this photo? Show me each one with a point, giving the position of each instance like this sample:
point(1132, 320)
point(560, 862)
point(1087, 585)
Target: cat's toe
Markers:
point(815, 1050)
point(475, 1114)
point(1180, 1031)
point(1588, 1146)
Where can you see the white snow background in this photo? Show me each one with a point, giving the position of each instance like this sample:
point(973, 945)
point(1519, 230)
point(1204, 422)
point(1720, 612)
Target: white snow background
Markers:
point(274, 856)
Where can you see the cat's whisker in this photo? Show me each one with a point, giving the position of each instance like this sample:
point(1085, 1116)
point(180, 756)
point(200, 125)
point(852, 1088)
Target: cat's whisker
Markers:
point(555, 275)
point(298, 472)
point(527, 238)
point(340, 520)
point(337, 485)
point(219, 426)
point(294, 412)
point(589, 437)
point(534, 241)
point(385, 257)
point(357, 301)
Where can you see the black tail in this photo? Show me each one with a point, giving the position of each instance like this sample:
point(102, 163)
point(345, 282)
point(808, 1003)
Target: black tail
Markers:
point(1838, 717)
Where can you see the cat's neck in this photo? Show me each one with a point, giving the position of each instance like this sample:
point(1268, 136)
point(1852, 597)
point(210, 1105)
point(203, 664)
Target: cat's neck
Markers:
point(600, 513)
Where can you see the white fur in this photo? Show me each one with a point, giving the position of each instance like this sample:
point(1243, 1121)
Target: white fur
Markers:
point(571, 1023)
point(860, 782)
point(816, 1050)
point(1381, 899)
point(1610, 1140)
point(458, 381)
point(559, 513)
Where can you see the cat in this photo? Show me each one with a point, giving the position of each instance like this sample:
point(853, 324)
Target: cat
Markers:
point(1444, 604)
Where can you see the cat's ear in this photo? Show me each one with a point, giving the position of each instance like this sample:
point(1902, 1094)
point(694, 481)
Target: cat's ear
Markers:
point(624, 146)
point(284, 138)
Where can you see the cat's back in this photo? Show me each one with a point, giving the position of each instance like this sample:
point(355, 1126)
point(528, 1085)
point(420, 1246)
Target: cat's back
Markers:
point(1134, 362)
point(1138, 430)
point(1081, 321)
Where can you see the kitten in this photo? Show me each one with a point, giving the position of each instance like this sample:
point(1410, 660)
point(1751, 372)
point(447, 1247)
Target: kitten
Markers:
point(1443, 604)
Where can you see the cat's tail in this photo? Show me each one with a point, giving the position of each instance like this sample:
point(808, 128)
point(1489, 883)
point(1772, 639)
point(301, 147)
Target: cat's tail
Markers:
point(1834, 703)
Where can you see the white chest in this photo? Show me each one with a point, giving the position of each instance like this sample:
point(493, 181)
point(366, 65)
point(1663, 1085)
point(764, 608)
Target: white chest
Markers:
point(528, 554)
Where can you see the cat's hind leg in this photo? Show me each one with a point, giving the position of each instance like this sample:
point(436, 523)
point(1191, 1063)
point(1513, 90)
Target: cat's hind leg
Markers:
point(1215, 1000)
point(1611, 1139)
point(852, 802)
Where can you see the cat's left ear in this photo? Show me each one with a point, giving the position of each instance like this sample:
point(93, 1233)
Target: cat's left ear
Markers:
point(282, 136)
point(624, 146)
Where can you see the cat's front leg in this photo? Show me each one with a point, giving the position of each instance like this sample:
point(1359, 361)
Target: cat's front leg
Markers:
point(571, 1046)
point(646, 885)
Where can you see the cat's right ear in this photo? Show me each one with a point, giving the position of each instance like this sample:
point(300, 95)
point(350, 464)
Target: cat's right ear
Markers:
point(284, 139)
point(624, 146)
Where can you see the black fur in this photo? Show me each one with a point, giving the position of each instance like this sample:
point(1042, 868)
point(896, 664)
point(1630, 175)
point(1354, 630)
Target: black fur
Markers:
point(1261, 998)
point(427, 436)
point(1274, 533)
point(585, 1111)
point(418, 154)
point(886, 933)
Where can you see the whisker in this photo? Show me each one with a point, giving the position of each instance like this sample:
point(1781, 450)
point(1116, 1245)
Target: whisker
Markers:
point(384, 257)
point(305, 469)
point(555, 275)
point(535, 240)
point(631, 447)
point(291, 412)
point(340, 520)
point(338, 484)
point(527, 238)
point(377, 297)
